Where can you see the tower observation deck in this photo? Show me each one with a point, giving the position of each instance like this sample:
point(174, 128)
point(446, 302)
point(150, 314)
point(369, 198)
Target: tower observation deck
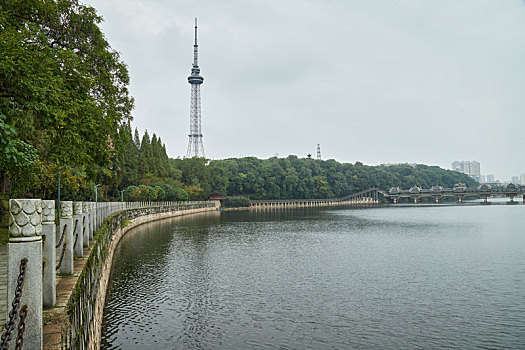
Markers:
point(195, 146)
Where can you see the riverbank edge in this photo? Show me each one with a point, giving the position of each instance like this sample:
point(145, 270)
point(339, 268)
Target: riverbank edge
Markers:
point(77, 317)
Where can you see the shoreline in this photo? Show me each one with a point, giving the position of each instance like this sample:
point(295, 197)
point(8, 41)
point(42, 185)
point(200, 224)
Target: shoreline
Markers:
point(76, 300)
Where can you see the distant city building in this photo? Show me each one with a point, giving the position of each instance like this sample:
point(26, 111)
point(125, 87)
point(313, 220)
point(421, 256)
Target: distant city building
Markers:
point(490, 178)
point(515, 180)
point(482, 179)
point(471, 168)
point(522, 179)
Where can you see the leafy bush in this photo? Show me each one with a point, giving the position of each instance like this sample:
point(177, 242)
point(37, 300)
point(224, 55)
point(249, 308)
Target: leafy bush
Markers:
point(234, 202)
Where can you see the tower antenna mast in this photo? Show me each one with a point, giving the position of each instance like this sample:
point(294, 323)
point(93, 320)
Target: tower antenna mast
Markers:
point(195, 146)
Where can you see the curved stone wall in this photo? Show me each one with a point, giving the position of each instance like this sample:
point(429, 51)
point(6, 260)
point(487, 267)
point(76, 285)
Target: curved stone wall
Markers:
point(86, 304)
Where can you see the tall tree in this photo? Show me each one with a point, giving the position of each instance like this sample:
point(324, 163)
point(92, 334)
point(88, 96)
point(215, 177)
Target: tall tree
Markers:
point(62, 87)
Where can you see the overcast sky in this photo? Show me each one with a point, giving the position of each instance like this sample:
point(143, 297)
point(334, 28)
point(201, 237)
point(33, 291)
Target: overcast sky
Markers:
point(372, 81)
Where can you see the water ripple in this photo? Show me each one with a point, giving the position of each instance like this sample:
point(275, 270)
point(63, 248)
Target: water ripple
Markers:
point(416, 278)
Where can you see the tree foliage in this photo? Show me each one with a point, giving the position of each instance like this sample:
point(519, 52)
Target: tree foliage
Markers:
point(296, 178)
point(62, 87)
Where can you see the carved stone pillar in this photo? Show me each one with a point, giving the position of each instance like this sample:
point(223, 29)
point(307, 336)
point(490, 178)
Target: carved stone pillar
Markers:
point(66, 234)
point(85, 223)
point(25, 248)
point(92, 214)
point(78, 235)
point(49, 252)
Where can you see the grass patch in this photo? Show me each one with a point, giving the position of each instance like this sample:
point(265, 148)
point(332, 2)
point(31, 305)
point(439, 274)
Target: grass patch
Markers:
point(124, 223)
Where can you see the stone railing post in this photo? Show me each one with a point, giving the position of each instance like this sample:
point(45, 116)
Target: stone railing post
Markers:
point(25, 244)
point(85, 223)
point(78, 235)
point(89, 219)
point(92, 214)
point(49, 252)
point(99, 215)
point(96, 213)
point(66, 228)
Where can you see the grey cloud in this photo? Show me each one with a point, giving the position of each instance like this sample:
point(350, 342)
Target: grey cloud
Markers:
point(375, 81)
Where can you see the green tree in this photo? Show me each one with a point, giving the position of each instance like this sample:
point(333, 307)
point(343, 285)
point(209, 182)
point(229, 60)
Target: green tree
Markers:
point(61, 85)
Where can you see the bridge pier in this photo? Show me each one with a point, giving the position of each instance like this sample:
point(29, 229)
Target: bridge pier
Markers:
point(512, 199)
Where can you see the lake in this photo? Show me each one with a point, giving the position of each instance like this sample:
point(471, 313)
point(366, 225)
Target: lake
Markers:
point(404, 276)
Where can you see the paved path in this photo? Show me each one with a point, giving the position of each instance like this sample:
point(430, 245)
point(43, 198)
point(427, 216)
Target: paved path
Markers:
point(3, 285)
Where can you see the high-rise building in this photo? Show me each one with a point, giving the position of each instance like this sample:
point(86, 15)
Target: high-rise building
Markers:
point(475, 169)
point(522, 179)
point(471, 168)
point(195, 146)
point(482, 179)
point(515, 180)
point(490, 178)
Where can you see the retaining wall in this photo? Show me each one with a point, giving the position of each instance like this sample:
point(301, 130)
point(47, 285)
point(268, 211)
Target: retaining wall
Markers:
point(86, 304)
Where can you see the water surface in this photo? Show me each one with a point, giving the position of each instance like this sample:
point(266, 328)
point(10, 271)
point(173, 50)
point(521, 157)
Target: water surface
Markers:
point(390, 277)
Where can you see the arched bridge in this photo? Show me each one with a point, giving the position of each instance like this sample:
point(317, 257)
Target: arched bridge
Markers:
point(371, 196)
point(459, 191)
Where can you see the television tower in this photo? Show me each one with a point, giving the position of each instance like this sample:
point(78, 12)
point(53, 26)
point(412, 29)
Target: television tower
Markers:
point(195, 147)
point(319, 151)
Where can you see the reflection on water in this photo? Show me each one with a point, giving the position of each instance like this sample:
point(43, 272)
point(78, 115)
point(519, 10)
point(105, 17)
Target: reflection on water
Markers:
point(388, 277)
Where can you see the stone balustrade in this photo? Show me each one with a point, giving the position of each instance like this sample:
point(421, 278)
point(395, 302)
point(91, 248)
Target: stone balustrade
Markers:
point(39, 245)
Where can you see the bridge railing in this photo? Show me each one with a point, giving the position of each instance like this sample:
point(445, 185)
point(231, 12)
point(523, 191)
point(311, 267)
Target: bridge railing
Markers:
point(370, 195)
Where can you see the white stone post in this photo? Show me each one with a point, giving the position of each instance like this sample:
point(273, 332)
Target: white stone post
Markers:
point(85, 224)
point(25, 244)
point(92, 214)
point(66, 228)
point(49, 252)
point(95, 214)
point(78, 235)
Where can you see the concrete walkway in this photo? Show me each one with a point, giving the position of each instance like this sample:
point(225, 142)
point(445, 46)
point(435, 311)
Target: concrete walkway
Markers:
point(3, 286)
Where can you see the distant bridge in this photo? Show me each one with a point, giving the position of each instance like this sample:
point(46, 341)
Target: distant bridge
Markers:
point(370, 196)
point(459, 191)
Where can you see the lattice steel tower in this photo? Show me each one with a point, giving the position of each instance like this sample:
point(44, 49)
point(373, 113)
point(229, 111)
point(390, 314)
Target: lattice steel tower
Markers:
point(195, 147)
